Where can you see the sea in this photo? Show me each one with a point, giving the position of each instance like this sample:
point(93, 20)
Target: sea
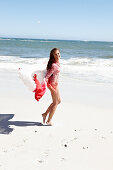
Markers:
point(90, 61)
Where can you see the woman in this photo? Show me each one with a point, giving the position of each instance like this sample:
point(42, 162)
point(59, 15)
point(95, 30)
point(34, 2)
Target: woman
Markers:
point(51, 78)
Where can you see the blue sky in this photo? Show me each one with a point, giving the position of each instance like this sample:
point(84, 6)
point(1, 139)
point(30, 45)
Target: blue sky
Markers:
point(57, 19)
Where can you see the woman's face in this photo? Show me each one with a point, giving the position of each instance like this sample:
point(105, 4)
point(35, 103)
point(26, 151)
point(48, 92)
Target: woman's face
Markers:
point(57, 55)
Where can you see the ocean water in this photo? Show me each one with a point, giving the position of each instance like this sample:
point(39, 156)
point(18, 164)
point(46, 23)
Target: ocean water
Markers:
point(83, 60)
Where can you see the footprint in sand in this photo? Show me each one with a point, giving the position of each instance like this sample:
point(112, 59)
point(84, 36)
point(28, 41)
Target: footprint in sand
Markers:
point(43, 157)
point(63, 159)
point(85, 147)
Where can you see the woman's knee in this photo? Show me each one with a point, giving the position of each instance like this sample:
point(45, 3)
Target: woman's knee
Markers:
point(56, 102)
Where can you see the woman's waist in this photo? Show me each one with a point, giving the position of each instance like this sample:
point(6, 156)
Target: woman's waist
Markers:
point(54, 83)
point(53, 80)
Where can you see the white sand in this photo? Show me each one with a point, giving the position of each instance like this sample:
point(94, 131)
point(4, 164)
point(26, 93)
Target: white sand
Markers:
point(82, 135)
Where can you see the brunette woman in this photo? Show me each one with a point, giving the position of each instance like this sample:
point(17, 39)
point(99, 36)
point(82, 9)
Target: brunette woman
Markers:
point(51, 78)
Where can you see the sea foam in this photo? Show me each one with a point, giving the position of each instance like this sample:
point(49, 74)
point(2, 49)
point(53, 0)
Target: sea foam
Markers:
point(87, 69)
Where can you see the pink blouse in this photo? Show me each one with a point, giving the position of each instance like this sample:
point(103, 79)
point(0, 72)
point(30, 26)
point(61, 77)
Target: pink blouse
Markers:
point(52, 75)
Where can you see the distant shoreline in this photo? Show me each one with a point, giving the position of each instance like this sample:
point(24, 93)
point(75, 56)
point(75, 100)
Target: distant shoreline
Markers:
point(51, 39)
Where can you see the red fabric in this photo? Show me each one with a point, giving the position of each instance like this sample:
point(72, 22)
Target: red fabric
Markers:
point(40, 88)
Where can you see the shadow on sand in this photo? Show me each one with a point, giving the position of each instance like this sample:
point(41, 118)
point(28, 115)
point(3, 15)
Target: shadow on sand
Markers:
point(5, 123)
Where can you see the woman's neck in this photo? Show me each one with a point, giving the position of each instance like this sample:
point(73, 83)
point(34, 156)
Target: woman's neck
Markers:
point(57, 61)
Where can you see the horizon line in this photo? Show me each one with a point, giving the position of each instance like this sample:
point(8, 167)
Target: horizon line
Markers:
point(54, 39)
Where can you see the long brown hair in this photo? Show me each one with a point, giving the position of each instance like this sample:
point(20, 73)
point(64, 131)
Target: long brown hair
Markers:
point(51, 58)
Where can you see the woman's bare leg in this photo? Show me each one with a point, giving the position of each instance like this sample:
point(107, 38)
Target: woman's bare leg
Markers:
point(56, 100)
point(44, 115)
point(53, 109)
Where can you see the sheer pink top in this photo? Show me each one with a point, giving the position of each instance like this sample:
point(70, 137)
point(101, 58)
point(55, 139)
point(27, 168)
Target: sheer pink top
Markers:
point(52, 75)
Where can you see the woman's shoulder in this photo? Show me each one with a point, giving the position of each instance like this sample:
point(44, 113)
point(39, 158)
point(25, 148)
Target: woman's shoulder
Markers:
point(55, 66)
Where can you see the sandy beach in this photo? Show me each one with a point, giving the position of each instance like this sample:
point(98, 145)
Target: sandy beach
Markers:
point(81, 137)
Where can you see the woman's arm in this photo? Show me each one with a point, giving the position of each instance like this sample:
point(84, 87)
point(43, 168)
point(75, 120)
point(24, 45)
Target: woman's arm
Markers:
point(49, 73)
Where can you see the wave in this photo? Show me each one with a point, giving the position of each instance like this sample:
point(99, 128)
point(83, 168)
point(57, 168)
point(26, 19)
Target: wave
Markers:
point(27, 40)
point(107, 57)
point(88, 62)
point(5, 39)
point(78, 61)
point(88, 69)
point(48, 41)
point(14, 62)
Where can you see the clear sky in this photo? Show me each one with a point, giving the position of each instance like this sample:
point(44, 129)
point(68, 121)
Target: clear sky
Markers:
point(57, 19)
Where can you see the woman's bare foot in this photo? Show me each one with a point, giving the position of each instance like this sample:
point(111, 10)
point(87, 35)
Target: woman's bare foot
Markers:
point(44, 117)
point(49, 123)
